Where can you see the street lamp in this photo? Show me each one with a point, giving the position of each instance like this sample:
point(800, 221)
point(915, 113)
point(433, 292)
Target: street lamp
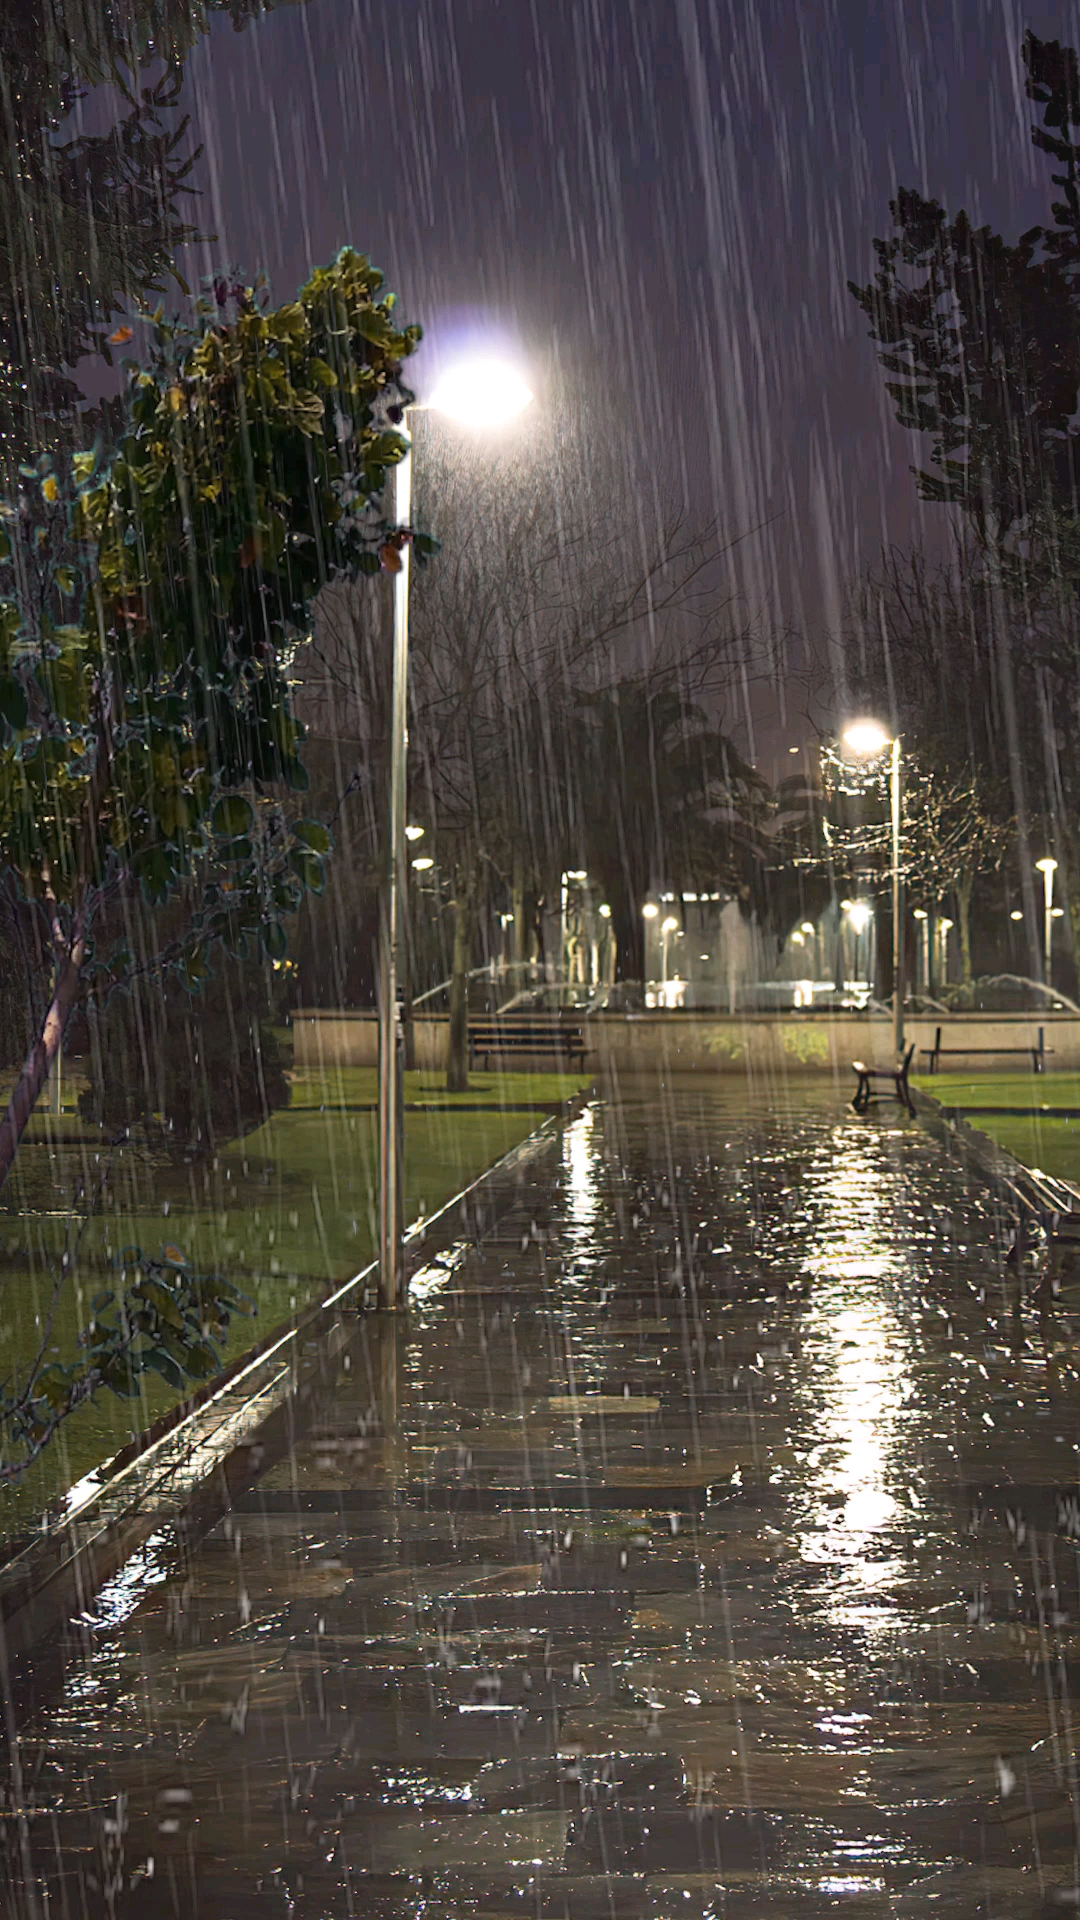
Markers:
point(1047, 868)
point(480, 393)
point(667, 928)
point(866, 739)
point(920, 914)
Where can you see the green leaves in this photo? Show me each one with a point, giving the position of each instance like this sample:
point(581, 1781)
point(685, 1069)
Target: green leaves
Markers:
point(167, 1319)
point(13, 708)
point(308, 869)
point(232, 815)
point(312, 833)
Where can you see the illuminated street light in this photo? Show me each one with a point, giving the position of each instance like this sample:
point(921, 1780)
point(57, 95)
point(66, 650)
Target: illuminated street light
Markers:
point(866, 739)
point(1047, 867)
point(920, 914)
point(481, 393)
point(860, 913)
point(414, 833)
point(650, 910)
point(424, 864)
point(604, 911)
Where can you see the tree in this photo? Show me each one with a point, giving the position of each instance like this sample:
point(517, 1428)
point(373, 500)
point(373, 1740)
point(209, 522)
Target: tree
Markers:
point(680, 806)
point(542, 594)
point(149, 625)
point(88, 224)
point(981, 343)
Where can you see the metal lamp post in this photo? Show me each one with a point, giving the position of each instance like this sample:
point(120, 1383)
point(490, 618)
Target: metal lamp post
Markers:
point(1047, 868)
point(479, 394)
point(866, 739)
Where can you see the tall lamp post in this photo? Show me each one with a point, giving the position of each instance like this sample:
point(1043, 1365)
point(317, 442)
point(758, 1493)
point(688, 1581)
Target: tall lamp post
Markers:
point(1047, 868)
point(479, 393)
point(866, 740)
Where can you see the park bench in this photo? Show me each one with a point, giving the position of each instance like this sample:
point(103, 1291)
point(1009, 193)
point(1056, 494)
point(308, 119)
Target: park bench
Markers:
point(524, 1034)
point(897, 1078)
point(1036, 1054)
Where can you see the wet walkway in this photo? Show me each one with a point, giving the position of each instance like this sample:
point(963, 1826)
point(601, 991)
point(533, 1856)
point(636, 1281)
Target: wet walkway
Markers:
point(703, 1549)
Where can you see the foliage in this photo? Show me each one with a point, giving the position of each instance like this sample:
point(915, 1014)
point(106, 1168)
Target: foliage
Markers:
point(162, 1318)
point(681, 806)
point(92, 222)
point(194, 1070)
point(980, 338)
point(149, 621)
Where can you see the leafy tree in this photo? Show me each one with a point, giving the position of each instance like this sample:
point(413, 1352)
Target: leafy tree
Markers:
point(980, 341)
point(191, 1070)
point(680, 806)
point(149, 626)
point(88, 223)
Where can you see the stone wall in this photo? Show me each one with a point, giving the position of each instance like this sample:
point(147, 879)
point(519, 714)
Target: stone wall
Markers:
point(772, 1044)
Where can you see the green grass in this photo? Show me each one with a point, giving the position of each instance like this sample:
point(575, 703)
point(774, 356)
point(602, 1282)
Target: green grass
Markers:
point(1051, 1145)
point(285, 1212)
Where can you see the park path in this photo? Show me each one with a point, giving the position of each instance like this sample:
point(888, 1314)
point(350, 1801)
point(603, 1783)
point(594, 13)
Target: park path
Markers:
point(701, 1548)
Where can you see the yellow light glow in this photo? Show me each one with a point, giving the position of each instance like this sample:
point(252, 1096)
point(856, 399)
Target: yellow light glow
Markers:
point(865, 738)
point(650, 910)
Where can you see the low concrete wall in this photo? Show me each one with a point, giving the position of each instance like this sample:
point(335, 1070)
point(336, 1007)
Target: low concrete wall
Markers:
point(769, 1044)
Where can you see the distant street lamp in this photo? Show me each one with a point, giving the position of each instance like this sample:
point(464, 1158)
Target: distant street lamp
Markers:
point(920, 914)
point(944, 929)
point(667, 928)
point(1047, 868)
point(480, 393)
point(866, 739)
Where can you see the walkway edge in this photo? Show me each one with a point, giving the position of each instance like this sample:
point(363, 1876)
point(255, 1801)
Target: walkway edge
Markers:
point(215, 1437)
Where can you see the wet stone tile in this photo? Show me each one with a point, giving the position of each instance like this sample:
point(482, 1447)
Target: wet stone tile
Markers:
point(704, 1545)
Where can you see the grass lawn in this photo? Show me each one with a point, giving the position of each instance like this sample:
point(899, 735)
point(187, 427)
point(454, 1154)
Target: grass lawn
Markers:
point(285, 1212)
point(1050, 1144)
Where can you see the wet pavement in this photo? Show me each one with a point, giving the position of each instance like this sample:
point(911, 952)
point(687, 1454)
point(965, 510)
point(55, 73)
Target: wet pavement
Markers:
point(703, 1545)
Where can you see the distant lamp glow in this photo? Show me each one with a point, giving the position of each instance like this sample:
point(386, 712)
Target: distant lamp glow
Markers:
point(481, 393)
point(650, 910)
point(918, 913)
point(945, 925)
point(865, 738)
point(414, 833)
point(1016, 914)
point(1046, 866)
point(1057, 913)
point(576, 873)
point(807, 927)
point(605, 911)
point(669, 925)
point(424, 864)
point(860, 913)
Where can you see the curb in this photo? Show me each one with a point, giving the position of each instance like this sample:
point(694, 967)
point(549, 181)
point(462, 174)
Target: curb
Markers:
point(180, 1476)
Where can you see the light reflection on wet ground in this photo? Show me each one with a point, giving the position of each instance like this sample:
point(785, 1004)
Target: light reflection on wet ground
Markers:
point(638, 1577)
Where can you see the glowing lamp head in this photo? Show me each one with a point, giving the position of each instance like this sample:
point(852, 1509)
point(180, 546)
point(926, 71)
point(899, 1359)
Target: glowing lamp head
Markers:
point(414, 833)
point(424, 864)
point(650, 910)
point(1046, 866)
point(670, 925)
point(860, 913)
point(865, 738)
point(481, 393)
point(605, 911)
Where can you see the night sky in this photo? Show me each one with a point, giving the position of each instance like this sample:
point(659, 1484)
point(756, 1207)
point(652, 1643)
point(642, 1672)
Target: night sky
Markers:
point(661, 201)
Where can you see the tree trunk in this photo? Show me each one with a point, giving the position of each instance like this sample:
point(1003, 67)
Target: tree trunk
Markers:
point(963, 922)
point(517, 951)
point(457, 1055)
point(39, 1060)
